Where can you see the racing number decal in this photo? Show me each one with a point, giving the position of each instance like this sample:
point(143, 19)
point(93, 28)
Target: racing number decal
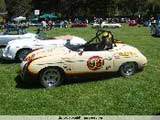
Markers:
point(95, 63)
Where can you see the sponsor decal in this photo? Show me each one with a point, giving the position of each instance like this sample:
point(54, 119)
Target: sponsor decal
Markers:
point(95, 63)
point(67, 67)
point(127, 54)
point(109, 58)
point(116, 56)
point(108, 67)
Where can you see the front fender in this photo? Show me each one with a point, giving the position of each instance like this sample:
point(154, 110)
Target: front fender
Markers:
point(10, 52)
point(35, 66)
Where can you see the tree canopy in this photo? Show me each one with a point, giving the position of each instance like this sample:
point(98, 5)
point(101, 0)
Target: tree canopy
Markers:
point(87, 8)
point(2, 6)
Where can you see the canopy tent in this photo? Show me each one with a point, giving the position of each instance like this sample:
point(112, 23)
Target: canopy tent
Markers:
point(20, 18)
point(48, 16)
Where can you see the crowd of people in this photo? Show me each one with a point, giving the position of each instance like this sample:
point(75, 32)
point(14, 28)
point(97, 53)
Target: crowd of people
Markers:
point(49, 24)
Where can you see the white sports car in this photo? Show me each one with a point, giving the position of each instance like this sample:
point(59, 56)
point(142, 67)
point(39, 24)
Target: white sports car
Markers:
point(5, 37)
point(105, 24)
point(18, 49)
point(51, 65)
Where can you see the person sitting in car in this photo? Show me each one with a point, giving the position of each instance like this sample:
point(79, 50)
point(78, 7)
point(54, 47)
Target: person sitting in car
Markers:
point(106, 41)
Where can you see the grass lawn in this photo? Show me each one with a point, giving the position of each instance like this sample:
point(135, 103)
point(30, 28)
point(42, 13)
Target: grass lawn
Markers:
point(135, 95)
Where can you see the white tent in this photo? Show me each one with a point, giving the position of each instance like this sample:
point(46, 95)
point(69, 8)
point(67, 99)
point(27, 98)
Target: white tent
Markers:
point(20, 18)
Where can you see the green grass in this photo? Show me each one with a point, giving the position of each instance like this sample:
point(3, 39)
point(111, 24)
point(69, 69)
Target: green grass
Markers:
point(135, 95)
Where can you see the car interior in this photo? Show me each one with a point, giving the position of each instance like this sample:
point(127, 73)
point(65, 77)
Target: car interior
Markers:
point(95, 44)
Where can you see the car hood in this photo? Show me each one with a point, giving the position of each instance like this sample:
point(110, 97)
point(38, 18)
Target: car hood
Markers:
point(31, 34)
point(21, 41)
point(125, 47)
point(58, 50)
point(74, 40)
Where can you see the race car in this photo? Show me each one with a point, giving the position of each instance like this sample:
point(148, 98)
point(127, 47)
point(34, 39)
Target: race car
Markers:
point(18, 49)
point(9, 35)
point(51, 65)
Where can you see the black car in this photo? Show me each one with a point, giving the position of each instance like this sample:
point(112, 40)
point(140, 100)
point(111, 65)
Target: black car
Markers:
point(155, 29)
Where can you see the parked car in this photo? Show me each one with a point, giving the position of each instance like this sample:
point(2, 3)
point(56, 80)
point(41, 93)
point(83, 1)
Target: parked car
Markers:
point(61, 24)
point(146, 23)
point(18, 49)
point(51, 65)
point(155, 29)
point(106, 24)
point(133, 23)
point(79, 25)
point(95, 25)
point(8, 35)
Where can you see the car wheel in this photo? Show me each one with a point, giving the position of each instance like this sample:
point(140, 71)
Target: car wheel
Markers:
point(128, 69)
point(51, 77)
point(153, 32)
point(21, 54)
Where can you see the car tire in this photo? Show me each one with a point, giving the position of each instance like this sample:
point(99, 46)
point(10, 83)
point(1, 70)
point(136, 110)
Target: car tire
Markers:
point(51, 77)
point(128, 69)
point(21, 54)
point(153, 32)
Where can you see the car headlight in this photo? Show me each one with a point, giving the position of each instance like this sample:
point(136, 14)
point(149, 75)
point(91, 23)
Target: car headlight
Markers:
point(7, 49)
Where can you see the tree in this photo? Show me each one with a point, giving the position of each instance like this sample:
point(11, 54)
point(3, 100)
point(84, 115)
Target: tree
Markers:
point(86, 8)
point(19, 7)
point(2, 6)
point(154, 6)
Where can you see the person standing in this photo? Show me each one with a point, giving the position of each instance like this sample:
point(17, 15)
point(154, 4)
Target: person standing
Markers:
point(44, 25)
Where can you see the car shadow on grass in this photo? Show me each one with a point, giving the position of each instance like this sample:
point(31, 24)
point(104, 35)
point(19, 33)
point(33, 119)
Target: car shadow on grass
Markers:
point(3, 61)
point(90, 78)
point(68, 81)
point(26, 85)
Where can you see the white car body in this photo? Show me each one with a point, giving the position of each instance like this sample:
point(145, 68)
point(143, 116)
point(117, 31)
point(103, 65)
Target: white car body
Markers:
point(5, 38)
point(105, 24)
point(15, 46)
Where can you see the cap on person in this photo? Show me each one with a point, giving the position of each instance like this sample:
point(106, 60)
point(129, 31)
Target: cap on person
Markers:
point(105, 34)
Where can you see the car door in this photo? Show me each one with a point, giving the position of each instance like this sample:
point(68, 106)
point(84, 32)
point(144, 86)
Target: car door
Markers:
point(92, 61)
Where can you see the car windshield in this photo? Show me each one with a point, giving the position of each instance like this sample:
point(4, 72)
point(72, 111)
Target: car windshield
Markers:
point(74, 47)
point(41, 36)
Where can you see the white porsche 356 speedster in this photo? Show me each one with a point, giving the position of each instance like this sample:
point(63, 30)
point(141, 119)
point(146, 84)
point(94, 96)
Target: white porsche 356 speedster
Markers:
point(18, 49)
point(51, 65)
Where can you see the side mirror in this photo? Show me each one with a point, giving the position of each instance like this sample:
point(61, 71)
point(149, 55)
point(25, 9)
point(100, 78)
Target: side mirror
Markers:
point(80, 52)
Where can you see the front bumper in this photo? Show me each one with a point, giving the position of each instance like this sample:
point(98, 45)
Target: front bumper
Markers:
point(157, 33)
point(26, 75)
point(6, 55)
